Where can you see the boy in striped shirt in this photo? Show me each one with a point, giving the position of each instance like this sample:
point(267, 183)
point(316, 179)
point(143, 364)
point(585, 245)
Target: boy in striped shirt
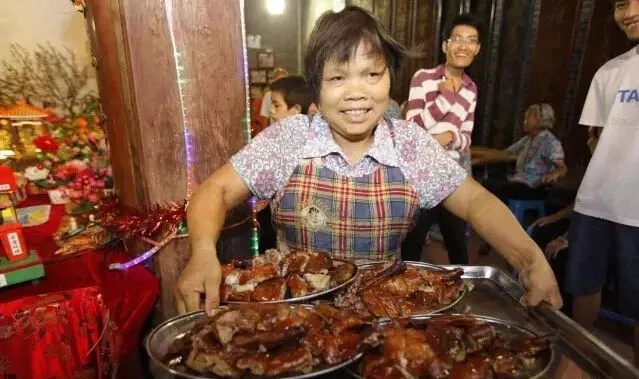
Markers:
point(442, 100)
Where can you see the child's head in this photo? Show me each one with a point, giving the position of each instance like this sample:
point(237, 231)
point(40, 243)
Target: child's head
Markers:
point(289, 96)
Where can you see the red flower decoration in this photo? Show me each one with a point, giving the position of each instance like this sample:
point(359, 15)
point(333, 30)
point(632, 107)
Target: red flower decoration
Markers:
point(46, 144)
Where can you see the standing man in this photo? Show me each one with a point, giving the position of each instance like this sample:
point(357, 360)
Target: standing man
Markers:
point(604, 230)
point(442, 100)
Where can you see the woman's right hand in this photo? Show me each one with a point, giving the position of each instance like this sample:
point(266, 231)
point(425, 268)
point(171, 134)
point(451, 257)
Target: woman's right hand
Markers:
point(202, 275)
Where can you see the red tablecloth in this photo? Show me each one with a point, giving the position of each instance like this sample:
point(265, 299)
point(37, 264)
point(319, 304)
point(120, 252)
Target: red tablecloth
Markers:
point(78, 318)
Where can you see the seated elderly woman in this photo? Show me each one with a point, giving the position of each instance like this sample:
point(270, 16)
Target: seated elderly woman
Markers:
point(348, 182)
point(539, 157)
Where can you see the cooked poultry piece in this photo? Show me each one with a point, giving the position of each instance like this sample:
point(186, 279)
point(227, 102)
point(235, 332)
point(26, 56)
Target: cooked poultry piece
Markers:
point(319, 263)
point(476, 367)
point(270, 290)
point(294, 358)
point(297, 285)
point(270, 256)
point(398, 290)
point(409, 281)
point(284, 331)
point(295, 262)
point(317, 282)
point(255, 275)
point(453, 347)
point(409, 350)
point(341, 274)
point(271, 339)
point(304, 273)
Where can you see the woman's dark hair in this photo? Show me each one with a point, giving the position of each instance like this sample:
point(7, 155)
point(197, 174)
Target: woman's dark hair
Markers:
point(465, 19)
point(338, 34)
point(294, 91)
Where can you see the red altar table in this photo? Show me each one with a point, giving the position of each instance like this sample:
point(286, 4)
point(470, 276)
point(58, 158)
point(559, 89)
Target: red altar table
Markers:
point(80, 319)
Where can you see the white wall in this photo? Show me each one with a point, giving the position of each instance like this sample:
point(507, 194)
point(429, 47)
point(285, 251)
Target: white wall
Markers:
point(315, 8)
point(29, 22)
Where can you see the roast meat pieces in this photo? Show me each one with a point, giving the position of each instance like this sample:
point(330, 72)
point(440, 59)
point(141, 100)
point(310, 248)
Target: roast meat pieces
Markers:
point(269, 277)
point(452, 347)
point(400, 291)
point(272, 339)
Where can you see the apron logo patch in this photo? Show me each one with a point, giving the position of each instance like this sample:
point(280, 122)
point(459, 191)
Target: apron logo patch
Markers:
point(313, 217)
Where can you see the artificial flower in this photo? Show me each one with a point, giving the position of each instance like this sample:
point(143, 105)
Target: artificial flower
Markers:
point(35, 173)
point(46, 144)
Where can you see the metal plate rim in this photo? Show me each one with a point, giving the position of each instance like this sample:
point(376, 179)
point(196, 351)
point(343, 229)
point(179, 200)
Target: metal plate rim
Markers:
point(305, 297)
point(175, 320)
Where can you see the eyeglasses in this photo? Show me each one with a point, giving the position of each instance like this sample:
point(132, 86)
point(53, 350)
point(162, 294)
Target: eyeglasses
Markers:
point(459, 40)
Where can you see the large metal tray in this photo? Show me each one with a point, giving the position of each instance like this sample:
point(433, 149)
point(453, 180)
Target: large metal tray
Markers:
point(311, 296)
point(159, 339)
point(504, 329)
point(580, 355)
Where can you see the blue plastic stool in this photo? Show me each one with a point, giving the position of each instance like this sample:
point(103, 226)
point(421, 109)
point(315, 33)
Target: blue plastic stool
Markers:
point(519, 208)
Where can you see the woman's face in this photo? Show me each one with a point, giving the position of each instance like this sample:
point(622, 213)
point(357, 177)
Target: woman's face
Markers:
point(531, 121)
point(354, 95)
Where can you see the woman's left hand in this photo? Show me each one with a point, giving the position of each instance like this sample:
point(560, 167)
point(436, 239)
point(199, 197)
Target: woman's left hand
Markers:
point(541, 284)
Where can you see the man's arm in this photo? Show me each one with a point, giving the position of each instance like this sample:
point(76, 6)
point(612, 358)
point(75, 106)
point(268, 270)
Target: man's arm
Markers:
point(427, 102)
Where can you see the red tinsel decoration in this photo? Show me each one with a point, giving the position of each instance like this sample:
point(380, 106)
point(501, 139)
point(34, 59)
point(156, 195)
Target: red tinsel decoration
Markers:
point(134, 223)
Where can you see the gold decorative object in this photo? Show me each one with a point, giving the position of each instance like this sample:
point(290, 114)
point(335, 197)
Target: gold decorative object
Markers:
point(19, 125)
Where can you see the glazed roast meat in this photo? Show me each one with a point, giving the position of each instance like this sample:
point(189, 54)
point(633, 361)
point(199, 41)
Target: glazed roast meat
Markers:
point(273, 275)
point(451, 347)
point(270, 340)
point(397, 290)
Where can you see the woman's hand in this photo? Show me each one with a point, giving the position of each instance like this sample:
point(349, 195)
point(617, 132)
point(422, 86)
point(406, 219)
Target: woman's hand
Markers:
point(202, 275)
point(541, 284)
point(555, 246)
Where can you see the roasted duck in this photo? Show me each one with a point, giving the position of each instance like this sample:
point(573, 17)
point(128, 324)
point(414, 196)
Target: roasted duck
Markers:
point(399, 290)
point(452, 347)
point(270, 340)
point(274, 275)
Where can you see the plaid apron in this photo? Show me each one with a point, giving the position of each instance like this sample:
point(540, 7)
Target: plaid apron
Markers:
point(356, 218)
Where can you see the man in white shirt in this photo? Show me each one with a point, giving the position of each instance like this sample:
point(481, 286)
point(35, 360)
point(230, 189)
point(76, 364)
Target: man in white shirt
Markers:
point(604, 230)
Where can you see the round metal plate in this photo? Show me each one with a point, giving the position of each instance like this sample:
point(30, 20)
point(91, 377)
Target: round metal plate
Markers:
point(311, 296)
point(462, 293)
point(503, 328)
point(159, 339)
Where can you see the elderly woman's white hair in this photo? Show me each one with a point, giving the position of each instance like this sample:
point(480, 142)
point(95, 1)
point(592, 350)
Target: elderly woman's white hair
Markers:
point(545, 113)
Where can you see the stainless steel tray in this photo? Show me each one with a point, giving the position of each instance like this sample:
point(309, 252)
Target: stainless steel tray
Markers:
point(159, 339)
point(312, 295)
point(465, 289)
point(503, 328)
point(580, 355)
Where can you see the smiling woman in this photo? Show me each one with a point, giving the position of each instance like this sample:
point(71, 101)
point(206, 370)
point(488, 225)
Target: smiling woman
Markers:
point(349, 182)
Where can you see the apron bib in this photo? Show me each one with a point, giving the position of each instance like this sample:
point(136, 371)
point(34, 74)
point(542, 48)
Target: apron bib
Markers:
point(355, 218)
